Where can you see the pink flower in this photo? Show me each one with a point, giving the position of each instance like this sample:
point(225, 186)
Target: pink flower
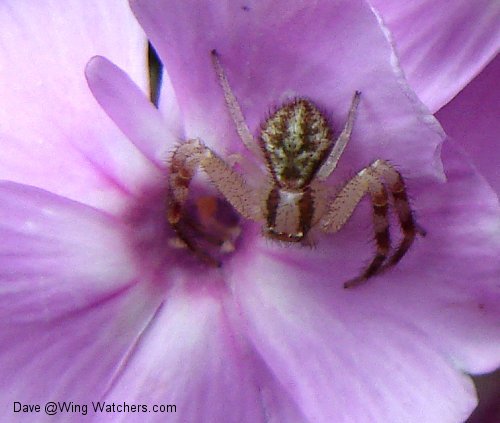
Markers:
point(98, 307)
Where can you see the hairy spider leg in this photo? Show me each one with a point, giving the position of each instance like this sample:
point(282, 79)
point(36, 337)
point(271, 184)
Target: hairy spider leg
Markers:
point(184, 163)
point(340, 143)
point(370, 181)
point(234, 107)
point(186, 160)
point(409, 226)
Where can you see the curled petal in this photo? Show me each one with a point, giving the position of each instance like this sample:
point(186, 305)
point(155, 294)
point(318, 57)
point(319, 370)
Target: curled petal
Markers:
point(442, 45)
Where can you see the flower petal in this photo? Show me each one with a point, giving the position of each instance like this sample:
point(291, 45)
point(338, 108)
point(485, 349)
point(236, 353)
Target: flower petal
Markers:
point(471, 119)
point(130, 109)
point(190, 358)
point(57, 256)
point(346, 363)
point(73, 358)
point(442, 45)
point(457, 273)
point(169, 106)
point(47, 112)
point(339, 48)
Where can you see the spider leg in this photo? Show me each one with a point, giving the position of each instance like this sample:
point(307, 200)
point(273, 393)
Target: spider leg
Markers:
point(370, 181)
point(184, 163)
point(409, 227)
point(186, 160)
point(342, 207)
point(234, 107)
point(232, 185)
point(340, 143)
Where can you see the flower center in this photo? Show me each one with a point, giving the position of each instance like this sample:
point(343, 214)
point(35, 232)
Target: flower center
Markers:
point(208, 228)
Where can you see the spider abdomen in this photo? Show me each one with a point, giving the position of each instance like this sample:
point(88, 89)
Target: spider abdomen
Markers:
point(295, 140)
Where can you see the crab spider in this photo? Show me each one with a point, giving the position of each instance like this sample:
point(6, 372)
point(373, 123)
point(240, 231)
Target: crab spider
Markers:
point(299, 150)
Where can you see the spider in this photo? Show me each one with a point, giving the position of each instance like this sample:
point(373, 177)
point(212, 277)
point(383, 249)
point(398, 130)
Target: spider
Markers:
point(300, 152)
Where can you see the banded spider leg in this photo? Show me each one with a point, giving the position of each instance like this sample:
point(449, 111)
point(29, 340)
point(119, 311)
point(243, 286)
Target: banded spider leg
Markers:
point(372, 180)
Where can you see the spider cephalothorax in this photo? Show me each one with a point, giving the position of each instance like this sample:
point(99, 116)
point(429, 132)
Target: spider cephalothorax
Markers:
point(297, 144)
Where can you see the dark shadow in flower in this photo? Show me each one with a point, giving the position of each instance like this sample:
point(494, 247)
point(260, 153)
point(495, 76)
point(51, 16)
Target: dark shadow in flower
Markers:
point(488, 391)
point(155, 75)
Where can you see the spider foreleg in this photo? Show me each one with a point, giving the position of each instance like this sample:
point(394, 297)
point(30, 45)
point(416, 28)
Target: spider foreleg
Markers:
point(193, 154)
point(234, 107)
point(203, 226)
point(184, 164)
point(232, 186)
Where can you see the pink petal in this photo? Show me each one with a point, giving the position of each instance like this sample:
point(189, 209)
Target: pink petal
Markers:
point(390, 349)
point(70, 308)
point(48, 114)
point(471, 119)
point(57, 256)
point(74, 357)
point(130, 109)
point(442, 45)
point(191, 358)
point(338, 48)
point(343, 363)
point(169, 106)
point(459, 270)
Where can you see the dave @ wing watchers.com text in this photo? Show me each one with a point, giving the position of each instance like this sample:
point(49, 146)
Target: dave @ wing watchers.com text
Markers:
point(52, 408)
